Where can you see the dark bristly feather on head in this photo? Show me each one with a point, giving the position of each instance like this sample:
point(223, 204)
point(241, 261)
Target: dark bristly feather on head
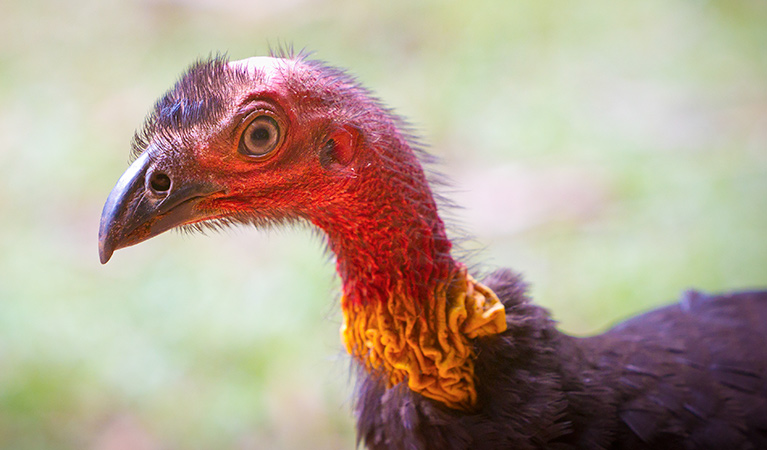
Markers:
point(444, 361)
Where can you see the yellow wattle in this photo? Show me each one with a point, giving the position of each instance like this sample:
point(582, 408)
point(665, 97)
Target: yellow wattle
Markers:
point(426, 343)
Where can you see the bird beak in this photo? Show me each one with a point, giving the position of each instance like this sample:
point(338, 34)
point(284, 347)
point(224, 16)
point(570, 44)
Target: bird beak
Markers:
point(135, 212)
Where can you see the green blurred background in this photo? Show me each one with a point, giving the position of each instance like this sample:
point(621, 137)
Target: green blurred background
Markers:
point(613, 152)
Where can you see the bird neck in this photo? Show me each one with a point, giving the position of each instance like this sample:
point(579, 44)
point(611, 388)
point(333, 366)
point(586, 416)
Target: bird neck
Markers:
point(410, 310)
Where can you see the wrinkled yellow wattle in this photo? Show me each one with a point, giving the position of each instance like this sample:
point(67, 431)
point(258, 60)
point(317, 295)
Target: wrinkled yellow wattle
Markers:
point(426, 343)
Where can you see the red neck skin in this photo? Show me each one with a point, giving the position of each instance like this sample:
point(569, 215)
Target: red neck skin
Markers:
point(386, 232)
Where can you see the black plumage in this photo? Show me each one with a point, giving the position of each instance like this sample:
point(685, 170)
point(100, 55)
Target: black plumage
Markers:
point(692, 375)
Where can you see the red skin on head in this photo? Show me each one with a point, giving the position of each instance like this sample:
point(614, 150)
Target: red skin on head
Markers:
point(343, 166)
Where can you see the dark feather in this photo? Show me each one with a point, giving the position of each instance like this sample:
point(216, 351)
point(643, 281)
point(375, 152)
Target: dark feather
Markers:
point(691, 375)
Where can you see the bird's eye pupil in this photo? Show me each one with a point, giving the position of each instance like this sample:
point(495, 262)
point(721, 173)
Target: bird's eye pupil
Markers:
point(260, 134)
point(261, 137)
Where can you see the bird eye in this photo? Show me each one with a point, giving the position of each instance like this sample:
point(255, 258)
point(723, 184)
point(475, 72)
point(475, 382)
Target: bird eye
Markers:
point(260, 137)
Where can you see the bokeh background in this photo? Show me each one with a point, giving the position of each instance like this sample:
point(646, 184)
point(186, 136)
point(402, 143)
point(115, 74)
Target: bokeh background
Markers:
point(614, 152)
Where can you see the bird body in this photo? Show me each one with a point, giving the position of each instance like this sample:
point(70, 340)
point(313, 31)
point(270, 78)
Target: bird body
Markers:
point(445, 361)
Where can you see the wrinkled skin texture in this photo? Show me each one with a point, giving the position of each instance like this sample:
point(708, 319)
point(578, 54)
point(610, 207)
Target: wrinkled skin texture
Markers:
point(691, 375)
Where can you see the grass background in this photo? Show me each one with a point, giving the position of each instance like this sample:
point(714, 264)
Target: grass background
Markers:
point(615, 153)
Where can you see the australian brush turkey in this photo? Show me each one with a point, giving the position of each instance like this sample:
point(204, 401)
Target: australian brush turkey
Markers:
point(445, 361)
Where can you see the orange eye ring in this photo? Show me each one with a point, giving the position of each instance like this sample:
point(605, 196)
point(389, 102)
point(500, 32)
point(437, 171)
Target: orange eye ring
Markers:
point(261, 137)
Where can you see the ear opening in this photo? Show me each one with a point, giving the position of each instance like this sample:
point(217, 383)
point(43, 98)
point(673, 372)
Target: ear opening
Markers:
point(340, 148)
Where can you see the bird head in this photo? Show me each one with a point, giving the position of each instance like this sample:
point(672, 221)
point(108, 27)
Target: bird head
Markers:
point(267, 140)
point(260, 140)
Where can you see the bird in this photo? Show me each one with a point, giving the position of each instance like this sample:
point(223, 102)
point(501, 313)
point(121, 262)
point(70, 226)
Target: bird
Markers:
point(442, 360)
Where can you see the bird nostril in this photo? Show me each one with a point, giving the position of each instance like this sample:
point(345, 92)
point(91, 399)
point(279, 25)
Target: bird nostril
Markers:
point(159, 182)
